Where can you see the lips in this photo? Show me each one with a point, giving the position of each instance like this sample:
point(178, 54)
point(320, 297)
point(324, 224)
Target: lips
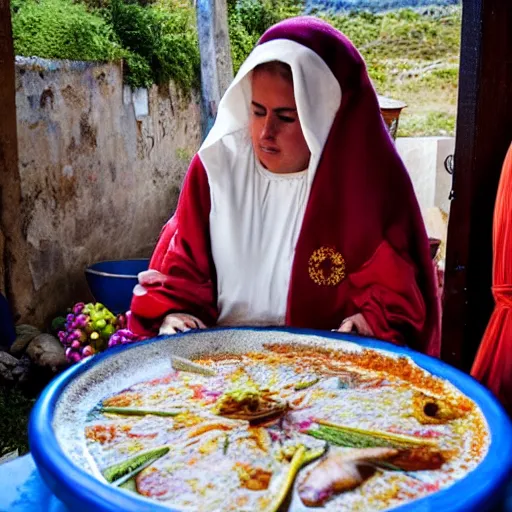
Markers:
point(271, 150)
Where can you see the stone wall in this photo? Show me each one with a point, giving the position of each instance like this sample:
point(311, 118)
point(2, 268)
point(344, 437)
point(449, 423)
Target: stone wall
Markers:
point(100, 173)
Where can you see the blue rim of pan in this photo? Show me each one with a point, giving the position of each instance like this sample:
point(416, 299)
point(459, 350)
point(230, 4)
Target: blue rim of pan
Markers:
point(479, 490)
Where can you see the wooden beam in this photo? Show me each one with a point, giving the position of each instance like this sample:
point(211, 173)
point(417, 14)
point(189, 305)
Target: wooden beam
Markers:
point(216, 63)
point(484, 132)
point(8, 140)
point(15, 279)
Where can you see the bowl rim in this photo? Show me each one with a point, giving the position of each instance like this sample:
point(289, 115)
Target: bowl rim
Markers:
point(89, 270)
point(473, 492)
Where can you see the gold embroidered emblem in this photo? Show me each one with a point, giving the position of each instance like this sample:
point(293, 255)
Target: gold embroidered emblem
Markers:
point(326, 267)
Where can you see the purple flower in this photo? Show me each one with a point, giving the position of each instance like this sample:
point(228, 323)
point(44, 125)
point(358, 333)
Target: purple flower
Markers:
point(79, 335)
point(74, 357)
point(70, 318)
point(78, 307)
point(81, 320)
point(114, 340)
point(72, 336)
point(123, 337)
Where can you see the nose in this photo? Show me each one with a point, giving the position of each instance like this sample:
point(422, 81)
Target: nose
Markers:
point(269, 128)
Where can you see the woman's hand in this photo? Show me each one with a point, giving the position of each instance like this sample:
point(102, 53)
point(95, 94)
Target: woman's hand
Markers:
point(174, 322)
point(356, 323)
point(180, 322)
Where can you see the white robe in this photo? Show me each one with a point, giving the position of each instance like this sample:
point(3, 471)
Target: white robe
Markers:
point(255, 220)
point(256, 215)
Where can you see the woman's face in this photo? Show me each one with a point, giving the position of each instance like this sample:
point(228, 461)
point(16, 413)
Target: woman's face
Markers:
point(276, 133)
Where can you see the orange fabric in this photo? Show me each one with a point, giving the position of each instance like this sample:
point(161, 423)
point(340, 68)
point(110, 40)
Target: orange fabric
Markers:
point(493, 363)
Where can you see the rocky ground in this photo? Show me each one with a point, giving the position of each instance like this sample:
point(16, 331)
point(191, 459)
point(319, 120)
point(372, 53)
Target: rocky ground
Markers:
point(25, 369)
point(32, 360)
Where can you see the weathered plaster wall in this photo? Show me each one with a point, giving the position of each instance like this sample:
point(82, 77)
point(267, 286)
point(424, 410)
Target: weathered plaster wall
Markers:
point(99, 176)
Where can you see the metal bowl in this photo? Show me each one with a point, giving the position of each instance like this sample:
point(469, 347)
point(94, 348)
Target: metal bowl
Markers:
point(56, 429)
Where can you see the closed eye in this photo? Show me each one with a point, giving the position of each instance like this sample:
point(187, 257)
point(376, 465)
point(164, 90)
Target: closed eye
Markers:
point(286, 119)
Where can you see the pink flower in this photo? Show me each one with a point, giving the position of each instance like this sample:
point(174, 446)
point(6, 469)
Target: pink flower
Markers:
point(81, 320)
point(74, 357)
point(78, 307)
point(87, 351)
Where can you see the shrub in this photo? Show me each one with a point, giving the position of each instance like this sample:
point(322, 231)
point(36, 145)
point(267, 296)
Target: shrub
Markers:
point(161, 40)
point(61, 29)
point(248, 19)
point(157, 40)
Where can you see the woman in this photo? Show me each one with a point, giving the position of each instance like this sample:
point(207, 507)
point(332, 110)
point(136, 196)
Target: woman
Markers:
point(297, 210)
point(493, 362)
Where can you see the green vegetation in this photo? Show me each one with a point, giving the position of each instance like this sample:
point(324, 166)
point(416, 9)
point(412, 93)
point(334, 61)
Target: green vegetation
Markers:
point(158, 41)
point(414, 58)
point(57, 29)
point(248, 19)
point(14, 412)
point(161, 40)
point(411, 56)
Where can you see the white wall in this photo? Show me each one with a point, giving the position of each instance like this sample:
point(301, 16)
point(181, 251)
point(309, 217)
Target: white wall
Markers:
point(424, 158)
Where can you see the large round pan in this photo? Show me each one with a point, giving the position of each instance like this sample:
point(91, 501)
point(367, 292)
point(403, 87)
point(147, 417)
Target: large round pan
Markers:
point(56, 429)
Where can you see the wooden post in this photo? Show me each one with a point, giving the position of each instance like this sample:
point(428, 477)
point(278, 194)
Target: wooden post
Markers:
point(484, 132)
point(216, 64)
point(14, 276)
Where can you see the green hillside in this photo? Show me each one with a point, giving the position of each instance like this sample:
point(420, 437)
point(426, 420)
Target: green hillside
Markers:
point(412, 55)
